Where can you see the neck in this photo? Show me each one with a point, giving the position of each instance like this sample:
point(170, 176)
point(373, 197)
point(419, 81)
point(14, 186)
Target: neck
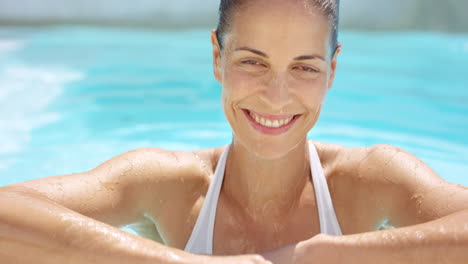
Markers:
point(266, 188)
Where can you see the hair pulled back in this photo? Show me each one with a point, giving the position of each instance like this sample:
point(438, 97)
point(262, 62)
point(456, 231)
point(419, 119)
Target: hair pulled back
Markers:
point(328, 8)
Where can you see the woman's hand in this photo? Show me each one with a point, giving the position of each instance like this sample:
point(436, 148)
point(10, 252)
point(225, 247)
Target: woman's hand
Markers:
point(305, 252)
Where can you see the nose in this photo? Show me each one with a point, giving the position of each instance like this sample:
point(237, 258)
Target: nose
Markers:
point(276, 93)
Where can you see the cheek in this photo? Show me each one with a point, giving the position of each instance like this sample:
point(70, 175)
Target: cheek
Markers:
point(238, 85)
point(311, 93)
point(234, 89)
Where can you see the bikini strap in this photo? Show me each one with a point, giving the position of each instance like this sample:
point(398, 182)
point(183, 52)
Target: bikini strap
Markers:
point(327, 217)
point(201, 239)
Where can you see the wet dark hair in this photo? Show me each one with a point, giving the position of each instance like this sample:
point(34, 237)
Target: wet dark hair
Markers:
point(329, 8)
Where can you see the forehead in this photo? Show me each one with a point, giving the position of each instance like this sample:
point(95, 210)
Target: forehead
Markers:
point(291, 26)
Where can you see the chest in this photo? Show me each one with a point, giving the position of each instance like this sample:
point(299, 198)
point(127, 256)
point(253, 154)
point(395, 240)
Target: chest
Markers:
point(234, 233)
point(238, 233)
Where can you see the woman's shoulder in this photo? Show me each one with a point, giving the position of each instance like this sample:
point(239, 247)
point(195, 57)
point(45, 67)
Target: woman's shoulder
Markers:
point(208, 158)
point(359, 162)
point(171, 164)
point(376, 165)
point(326, 148)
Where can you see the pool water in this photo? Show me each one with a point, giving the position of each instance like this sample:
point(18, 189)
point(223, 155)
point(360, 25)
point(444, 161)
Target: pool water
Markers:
point(72, 97)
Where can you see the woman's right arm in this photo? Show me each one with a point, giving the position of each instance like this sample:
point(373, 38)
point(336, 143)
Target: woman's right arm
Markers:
point(72, 218)
point(34, 229)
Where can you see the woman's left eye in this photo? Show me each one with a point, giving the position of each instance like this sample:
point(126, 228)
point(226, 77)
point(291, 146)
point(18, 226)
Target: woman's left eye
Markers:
point(306, 69)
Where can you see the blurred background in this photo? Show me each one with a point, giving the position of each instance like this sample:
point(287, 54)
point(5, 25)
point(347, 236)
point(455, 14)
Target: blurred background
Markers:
point(82, 81)
point(447, 15)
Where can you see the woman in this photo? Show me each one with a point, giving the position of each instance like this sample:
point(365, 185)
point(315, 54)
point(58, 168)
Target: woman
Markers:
point(272, 193)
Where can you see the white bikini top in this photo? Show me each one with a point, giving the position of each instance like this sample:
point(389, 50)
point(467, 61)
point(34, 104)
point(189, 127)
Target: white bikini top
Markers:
point(201, 239)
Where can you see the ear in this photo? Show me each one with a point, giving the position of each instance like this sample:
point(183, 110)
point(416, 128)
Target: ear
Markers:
point(333, 66)
point(216, 56)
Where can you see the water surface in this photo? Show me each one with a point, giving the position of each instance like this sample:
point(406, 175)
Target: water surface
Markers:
point(72, 97)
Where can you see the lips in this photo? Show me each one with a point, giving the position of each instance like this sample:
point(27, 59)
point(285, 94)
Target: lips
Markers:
point(271, 124)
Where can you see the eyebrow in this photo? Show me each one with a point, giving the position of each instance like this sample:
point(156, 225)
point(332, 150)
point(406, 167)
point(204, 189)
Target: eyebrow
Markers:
point(260, 53)
point(253, 51)
point(309, 57)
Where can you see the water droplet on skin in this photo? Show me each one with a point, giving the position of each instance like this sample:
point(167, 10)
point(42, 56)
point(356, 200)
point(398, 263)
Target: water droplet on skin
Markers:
point(419, 235)
point(442, 230)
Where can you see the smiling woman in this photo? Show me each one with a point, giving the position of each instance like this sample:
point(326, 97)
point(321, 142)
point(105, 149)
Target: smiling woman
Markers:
point(272, 193)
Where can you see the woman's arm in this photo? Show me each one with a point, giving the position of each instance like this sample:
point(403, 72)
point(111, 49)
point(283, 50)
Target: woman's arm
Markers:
point(34, 229)
point(444, 240)
point(37, 230)
point(74, 218)
point(71, 218)
point(438, 211)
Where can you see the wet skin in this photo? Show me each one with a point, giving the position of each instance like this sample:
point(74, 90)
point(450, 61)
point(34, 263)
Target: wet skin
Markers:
point(277, 65)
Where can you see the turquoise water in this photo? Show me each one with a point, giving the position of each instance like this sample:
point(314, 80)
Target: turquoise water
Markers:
point(72, 97)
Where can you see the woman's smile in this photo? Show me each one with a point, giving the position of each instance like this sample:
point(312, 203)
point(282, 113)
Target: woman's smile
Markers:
point(271, 124)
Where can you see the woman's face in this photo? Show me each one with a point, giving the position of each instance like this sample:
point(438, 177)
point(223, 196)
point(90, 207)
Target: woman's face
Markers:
point(275, 69)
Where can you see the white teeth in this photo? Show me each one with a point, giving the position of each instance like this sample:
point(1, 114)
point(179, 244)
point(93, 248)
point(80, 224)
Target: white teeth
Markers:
point(270, 123)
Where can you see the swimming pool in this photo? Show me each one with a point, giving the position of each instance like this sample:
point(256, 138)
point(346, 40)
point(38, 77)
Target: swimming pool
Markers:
point(72, 97)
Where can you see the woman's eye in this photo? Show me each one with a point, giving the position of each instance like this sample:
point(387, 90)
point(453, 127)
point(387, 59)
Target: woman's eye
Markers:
point(251, 65)
point(252, 62)
point(306, 69)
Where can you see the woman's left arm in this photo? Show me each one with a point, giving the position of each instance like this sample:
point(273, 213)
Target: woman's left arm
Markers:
point(444, 240)
point(437, 209)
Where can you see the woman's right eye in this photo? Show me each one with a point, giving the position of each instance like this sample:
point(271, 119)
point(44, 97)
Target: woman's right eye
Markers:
point(251, 62)
point(252, 65)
